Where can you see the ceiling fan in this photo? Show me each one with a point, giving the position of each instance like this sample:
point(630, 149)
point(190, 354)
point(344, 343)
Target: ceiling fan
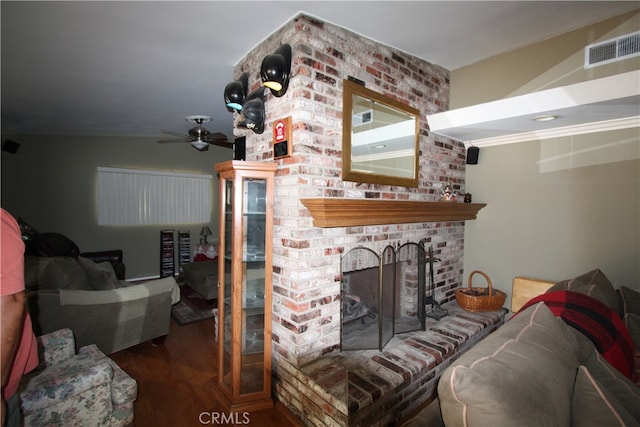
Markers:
point(199, 136)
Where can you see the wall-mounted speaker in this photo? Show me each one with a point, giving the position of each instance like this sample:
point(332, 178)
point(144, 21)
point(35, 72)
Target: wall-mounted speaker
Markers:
point(240, 148)
point(10, 146)
point(472, 155)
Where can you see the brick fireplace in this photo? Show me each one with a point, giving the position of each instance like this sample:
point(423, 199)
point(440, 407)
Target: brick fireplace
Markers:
point(307, 258)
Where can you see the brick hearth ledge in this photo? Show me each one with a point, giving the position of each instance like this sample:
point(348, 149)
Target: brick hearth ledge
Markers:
point(379, 388)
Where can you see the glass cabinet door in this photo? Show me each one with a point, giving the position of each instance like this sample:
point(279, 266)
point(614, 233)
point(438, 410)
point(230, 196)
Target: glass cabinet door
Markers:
point(225, 337)
point(253, 278)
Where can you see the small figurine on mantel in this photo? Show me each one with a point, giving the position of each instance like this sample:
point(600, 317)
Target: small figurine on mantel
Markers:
point(448, 195)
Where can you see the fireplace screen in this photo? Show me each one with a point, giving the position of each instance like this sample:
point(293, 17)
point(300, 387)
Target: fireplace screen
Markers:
point(382, 295)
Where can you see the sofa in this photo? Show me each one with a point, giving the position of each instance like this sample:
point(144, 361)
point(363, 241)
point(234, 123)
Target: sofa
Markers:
point(88, 298)
point(68, 388)
point(568, 358)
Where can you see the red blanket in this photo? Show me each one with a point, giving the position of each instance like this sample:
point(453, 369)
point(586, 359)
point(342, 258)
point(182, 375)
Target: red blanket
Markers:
point(595, 320)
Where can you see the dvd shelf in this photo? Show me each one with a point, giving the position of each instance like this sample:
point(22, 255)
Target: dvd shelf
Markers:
point(184, 249)
point(167, 254)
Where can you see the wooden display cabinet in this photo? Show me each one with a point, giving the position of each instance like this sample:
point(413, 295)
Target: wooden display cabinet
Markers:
point(244, 291)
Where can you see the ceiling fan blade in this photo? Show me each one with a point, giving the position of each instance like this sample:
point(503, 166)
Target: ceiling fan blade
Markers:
point(170, 132)
point(171, 141)
point(199, 136)
point(217, 136)
point(220, 143)
point(218, 139)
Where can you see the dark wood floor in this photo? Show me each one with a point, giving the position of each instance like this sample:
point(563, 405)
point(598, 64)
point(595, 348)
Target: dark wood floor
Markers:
point(176, 379)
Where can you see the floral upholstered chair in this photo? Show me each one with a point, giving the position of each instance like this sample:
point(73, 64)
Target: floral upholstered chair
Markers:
point(86, 388)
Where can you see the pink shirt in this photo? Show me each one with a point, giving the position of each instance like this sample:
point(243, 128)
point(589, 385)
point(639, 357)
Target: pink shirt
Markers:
point(12, 282)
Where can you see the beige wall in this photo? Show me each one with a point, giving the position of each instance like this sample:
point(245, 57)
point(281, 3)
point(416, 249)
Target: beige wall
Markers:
point(548, 64)
point(51, 183)
point(560, 207)
point(552, 225)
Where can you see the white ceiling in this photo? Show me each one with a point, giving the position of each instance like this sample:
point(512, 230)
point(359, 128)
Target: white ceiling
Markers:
point(133, 68)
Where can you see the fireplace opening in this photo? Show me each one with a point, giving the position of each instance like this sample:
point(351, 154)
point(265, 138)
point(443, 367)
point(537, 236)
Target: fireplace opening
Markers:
point(381, 295)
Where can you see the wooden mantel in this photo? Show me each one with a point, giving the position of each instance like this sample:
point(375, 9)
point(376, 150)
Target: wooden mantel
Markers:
point(333, 212)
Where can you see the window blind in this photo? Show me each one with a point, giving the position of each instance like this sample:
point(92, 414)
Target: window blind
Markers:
point(143, 197)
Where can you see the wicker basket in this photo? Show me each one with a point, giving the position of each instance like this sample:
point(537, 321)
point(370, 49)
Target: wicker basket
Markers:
point(480, 299)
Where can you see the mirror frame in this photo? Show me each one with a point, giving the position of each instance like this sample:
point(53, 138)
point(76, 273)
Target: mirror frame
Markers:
point(351, 89)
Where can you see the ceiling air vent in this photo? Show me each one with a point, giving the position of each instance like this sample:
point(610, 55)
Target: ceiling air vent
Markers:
point(612, 50)
point(362, 118)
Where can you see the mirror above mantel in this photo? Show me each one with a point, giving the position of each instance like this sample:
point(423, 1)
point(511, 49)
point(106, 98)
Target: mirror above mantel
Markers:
point(598, 105)
point(380, 138)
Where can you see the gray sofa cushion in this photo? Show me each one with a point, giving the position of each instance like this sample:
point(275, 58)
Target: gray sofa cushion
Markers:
point(101, 275)
point(620, 387)
point(632, 322)
point(631, 309)
point(594, 405)
point(594, 284)
point(54, 273)
point(630, 301)
point(523, 374)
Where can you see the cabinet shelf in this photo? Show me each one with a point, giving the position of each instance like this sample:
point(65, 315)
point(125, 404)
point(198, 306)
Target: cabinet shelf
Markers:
point(333, 212)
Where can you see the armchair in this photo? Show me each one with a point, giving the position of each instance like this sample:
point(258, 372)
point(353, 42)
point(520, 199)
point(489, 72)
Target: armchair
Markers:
point(86, 388)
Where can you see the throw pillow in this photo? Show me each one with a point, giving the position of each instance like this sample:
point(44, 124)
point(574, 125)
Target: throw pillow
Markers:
point(632, 321)
point(101, 275)
point(630, 300)
point(620, 387)
point(594, 405)
point(522, 374)
point(54, 273)
point(631, 308)
point(595, 320)
point(594, 284)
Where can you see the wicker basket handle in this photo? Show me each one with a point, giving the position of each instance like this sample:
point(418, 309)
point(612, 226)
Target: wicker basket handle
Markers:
point(486, 278)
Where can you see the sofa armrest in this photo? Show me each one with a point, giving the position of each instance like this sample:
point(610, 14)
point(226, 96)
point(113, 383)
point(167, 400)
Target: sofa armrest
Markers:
point(60, 383)
point(119, 295)
point(57, 346)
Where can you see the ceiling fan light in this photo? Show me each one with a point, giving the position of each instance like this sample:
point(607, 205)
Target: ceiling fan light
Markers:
point(275, 70)
point(200, 145)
